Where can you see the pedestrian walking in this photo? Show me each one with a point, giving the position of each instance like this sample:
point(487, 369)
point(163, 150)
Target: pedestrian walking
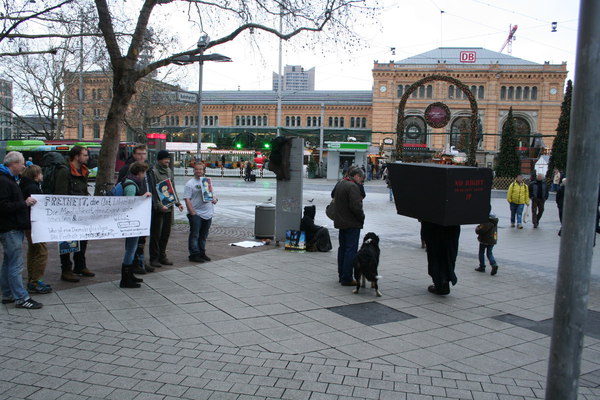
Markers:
point(517, 197)
point(13, 222)
point(487, 235)
point(538, 193)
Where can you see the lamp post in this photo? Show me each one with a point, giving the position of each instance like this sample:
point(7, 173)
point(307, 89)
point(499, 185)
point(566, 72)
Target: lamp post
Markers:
point(202, 44)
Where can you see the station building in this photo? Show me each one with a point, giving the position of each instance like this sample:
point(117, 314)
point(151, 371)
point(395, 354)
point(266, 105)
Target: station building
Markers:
point(497, 81)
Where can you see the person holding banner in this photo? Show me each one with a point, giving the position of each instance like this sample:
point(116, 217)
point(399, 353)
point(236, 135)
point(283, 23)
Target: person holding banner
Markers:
point(133, 186)
point(13, 222)
point(74, 181)
point(162, 215)
point(199, 200)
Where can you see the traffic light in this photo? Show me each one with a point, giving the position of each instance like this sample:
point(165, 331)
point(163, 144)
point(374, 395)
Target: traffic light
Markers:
point(267, 145)
point(239, 145)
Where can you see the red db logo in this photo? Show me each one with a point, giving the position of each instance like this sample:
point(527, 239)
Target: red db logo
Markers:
point(468, 56)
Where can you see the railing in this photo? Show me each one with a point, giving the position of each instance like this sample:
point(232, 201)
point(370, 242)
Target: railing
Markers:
point(224, 172)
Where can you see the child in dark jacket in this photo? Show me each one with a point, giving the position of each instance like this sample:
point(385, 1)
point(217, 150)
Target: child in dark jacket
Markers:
point(487, 234)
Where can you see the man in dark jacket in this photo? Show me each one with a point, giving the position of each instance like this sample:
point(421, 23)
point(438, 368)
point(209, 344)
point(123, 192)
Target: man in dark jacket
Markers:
point(140, 153)
point(349, 218)
point(538, 193)
point(74, 181)
point(13, 222)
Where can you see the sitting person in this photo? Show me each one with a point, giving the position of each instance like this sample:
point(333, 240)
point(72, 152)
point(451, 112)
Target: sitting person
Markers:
point(317, 237)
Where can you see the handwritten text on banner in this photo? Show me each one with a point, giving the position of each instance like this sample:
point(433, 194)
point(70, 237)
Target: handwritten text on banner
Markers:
point(60, 218)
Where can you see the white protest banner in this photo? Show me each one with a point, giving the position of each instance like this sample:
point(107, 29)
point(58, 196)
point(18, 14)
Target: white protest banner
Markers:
point(64, 218)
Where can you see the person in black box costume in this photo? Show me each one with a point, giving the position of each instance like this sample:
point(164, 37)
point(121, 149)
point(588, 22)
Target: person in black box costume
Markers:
point(442, 248)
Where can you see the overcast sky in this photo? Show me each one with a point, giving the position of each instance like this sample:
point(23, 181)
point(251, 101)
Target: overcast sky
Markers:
point(411, 27)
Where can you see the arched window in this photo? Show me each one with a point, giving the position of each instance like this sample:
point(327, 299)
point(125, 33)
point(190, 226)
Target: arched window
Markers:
point(459, 133)
point(400, 90)
point(526, 93)
point(330, 122)
point(451, 91)
point(254, 120)
point(503, 93)
point(94, 94)
point(205, 123)
point(518, 93)
point(421, 92)
point(481, 93)
point(363, 122)
point(415, 130)
point(308, 119)
point(96, 131)
point(237, 120)
point(211, 120)
point(511, 92)
point(522, 130)
point(429, 91)
point(248, 120)
point(287, 121)
point(341, 122)
point(534, 91)
point(187, 120)
point(474, 91)
point(351, 122)
point(336, 122)
point(298, 121)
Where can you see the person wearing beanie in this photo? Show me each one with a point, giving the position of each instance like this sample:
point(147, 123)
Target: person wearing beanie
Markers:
point(162, 215)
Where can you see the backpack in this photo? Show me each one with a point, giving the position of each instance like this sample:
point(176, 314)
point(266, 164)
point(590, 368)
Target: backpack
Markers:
point(51, 162)
point(119, 188)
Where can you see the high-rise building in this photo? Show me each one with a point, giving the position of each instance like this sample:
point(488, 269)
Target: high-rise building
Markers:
point(295, 77)
point(6, 97)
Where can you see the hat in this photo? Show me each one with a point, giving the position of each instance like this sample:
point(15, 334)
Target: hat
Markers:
point(162, 155)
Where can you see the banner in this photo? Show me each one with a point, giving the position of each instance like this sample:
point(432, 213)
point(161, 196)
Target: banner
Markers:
point(67, 218)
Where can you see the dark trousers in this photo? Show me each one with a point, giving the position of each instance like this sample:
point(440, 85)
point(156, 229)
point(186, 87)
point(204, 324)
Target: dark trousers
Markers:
point(139, 252)
point(199, 228)
point(348, 248)
point(537, 209)
point(442, 249)
point(160, 230)
point(78, 258)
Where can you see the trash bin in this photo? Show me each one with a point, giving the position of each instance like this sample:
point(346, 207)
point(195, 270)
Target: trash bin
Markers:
point(264, 221)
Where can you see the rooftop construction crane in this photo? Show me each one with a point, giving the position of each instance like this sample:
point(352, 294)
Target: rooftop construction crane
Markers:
point(511, 36)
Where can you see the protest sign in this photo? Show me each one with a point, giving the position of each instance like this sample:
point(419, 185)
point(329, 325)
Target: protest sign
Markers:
point(66, 218)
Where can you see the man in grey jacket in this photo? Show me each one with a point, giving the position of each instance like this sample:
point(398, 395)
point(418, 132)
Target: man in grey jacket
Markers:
point(162, 216)
point(349, 218)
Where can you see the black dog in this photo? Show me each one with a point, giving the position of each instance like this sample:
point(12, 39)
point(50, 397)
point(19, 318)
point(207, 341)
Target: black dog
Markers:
point(366, 263)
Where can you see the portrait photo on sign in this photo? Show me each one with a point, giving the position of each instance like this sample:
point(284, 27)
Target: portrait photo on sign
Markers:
point(166, 193)
point(207, 189)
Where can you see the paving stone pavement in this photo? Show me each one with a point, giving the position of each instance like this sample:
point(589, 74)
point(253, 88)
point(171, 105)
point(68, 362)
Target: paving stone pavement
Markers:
point(259, 326)
point(273, 324)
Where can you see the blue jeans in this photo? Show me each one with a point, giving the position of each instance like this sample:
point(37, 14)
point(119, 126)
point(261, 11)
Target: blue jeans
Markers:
point(518, 210)
point(391, 194)
point(131, 244)
point(198, 233)
point(11, 281)
point(490, 255)
point(348, 248)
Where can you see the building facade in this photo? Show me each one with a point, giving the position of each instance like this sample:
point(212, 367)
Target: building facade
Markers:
point(295, 78)
point(497, 82)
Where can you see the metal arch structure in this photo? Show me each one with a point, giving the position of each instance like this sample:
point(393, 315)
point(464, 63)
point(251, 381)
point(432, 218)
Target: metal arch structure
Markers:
point(474, 115)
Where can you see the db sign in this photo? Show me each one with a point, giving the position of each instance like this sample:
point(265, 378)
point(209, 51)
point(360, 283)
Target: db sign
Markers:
point(468, 56)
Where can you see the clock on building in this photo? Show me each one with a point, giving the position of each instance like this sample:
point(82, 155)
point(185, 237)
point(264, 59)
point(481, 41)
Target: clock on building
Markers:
point(553, 91)
point(382, 88)
point(437, 115)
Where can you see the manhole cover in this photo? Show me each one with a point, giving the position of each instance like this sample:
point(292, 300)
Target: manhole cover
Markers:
point(371, 313)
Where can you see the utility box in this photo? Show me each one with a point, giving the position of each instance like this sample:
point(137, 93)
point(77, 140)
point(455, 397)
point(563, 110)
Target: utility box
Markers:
point(442, 194)
point(264, 221)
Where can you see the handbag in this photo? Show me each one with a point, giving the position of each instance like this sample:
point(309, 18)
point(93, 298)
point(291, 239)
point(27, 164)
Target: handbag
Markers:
point(330, 210)
point(526, 214)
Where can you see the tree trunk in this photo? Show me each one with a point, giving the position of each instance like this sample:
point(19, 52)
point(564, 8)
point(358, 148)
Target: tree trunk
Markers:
point(123, 91)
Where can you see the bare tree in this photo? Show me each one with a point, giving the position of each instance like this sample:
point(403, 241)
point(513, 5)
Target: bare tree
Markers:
point(249, 15)
point(15, 18)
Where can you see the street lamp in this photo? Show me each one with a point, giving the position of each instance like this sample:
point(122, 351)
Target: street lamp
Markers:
point(202, 45)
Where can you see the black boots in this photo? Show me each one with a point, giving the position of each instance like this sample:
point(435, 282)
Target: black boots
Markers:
point(128, 280)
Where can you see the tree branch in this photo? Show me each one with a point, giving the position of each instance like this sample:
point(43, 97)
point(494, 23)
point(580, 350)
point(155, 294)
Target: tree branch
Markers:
point(22, 53)
point(32, 16)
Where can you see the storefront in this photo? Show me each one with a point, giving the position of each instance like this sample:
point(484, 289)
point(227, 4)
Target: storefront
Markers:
point(341, 155)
